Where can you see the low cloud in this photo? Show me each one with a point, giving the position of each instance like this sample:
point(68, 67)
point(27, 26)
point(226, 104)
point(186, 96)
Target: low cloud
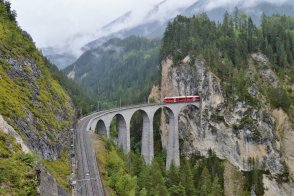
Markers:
point(73, 23)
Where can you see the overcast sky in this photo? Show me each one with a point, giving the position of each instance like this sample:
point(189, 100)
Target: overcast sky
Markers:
point(51, 22)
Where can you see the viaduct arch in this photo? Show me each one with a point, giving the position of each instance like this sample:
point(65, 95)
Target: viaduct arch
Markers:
point(102, 121)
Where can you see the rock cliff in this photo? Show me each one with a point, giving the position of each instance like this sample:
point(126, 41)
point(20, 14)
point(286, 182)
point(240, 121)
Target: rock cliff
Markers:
point(237, 131)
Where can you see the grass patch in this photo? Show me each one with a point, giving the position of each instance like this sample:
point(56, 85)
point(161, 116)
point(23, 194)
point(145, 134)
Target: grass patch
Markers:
point(60, 169)
point(17, 169)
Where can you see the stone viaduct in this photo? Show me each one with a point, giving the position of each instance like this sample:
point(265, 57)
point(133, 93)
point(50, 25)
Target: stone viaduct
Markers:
point(102, 121)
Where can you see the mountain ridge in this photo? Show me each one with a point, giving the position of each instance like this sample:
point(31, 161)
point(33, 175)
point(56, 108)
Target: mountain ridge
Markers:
point(153, 24)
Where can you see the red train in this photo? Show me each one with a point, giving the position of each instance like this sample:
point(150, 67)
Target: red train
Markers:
point(181, 99)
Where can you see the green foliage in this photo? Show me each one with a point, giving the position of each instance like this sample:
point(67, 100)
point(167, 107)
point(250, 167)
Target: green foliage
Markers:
point(82, 102)
point(130, 175)
point(254, 181)
point(253, 178)
point(120, 69)
point(157, 133)
point(216, 188)
point(6, 142)
point(205, 182)
point(196, 176)
point(225, 48)
point(114, 128)
point(23, 90)
point(208, 174)
point(186, 177)
point(31, 98)
point(279, 98)
point(234, 38)
point(284, 177)
point(60, 169)
point(10, 14)
point(117, 177)
point(17, 172)
point(136, 131)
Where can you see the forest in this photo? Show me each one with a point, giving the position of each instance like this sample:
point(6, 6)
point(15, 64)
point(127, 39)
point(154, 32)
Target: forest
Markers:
point(233, 39)
point(197, 175)
point(121, 71)
point(83, 102)
point(225, 47)
point(231, 42)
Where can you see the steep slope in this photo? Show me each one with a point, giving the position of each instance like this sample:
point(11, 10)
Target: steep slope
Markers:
point(17, 172)
point(120, 69)
point(246, 113)
point(36, 110)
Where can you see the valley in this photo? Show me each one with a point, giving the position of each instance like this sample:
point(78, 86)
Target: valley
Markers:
point(191, 98)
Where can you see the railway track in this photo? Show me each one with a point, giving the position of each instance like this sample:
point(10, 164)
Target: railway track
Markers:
point(88, 179)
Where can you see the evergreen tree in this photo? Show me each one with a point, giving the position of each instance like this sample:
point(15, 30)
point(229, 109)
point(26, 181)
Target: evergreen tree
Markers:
point(145, 179)
point(158, 184)
point(173, 177)
point(205, 182)
point(137, 164)
point(187, 177)
point(216, 188)
point(177, 190)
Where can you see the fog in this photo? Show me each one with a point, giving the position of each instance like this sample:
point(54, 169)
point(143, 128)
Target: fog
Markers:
point(57, 23)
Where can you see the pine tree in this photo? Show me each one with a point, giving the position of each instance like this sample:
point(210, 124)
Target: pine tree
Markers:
point(187, 177)
point(157, 180)
point(216, 188)
point(145, 179)
point(205, 182)
point(236, 18)
point(177, 190)
point(173, 177)
point(250, 32)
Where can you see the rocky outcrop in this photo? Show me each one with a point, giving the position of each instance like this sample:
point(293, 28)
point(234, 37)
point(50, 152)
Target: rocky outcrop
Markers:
point(286, 136)
point(236, 131)
point(233, 180)
point(38, 118)
point(154, 96)
point(6, 128)
point(48, 185)
point(273, 188)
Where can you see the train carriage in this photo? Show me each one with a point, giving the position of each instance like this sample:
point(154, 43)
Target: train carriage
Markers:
point(180, 99)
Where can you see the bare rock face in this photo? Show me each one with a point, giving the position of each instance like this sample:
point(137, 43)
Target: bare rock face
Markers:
point(237, 132)
point(286, 136)
point(6, 128)
point(272, 188)
point(233, 180)
point(48, 185)
point(154, 96)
